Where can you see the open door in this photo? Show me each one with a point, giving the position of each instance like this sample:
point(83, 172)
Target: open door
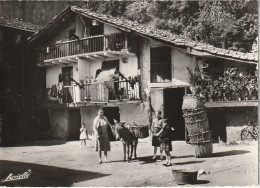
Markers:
point(75, 124)
point(112, 113)
point(173, 98)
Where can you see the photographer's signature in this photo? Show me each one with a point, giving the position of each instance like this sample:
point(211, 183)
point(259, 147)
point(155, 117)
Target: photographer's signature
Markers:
point(22, 176)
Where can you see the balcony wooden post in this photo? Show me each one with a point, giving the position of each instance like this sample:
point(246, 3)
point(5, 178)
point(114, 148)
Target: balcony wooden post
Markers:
point(126, 44)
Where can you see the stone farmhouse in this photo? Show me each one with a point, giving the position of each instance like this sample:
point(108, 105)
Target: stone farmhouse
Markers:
point(90, 60)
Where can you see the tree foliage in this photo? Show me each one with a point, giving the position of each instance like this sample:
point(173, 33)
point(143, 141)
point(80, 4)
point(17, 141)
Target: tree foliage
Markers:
point(234, 23)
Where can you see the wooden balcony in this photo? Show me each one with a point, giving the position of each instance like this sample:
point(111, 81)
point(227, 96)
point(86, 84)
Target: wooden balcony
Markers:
point(106, 92)
point(82, 47)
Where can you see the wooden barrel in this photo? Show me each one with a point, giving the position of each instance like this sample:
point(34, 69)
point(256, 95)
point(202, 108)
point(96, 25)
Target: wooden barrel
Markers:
point(198, 132)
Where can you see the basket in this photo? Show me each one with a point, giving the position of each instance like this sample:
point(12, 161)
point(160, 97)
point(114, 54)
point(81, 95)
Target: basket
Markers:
point(197, 126)
point(141, 131)
point(191, 102)
point(203, 150)
point(185, 177)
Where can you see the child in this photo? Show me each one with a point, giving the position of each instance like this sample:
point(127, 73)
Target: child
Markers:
point(83, 134)
point(165, 140)
point(155, 128)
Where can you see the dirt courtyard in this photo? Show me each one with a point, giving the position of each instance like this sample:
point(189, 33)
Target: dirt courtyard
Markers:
point(59, 163)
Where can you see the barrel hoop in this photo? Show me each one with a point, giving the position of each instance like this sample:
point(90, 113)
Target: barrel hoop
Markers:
point(205, 132)
point(193, 114)
point(196, 121)
point(198, 143)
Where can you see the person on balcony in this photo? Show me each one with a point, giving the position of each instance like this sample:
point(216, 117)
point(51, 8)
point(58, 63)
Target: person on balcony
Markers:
point(100, 127)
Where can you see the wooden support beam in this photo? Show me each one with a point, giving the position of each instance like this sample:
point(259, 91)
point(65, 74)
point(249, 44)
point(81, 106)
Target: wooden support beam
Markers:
point(108, 54)
point(74, 59)
point(49, 64)
point(91, 57)
point(64, 61)
point(55, 62)
point(98, 56)
point(48, 60)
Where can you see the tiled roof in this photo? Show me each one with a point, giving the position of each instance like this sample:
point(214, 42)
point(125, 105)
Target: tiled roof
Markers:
point(162, 35)
point(19, 24)
point(166, 36)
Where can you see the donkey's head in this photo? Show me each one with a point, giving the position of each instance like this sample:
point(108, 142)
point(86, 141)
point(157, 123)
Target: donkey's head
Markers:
point(120, 130)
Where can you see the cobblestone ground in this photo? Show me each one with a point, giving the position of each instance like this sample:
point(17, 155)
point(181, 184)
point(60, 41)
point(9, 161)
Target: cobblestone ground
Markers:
point(58, 163)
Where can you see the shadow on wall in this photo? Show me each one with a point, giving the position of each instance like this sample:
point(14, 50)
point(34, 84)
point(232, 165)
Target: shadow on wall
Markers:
point(43, 176)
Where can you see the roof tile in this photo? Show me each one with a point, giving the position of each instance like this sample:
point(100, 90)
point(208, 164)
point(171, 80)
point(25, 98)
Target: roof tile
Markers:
point(161, 34)
point(19, 24)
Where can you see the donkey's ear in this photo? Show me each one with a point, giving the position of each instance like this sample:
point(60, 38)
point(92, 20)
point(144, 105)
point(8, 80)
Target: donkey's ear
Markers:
point(124, 122)
point(115, 121)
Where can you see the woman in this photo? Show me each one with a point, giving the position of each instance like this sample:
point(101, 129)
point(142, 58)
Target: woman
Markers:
point(155, 128)
point(100, 126)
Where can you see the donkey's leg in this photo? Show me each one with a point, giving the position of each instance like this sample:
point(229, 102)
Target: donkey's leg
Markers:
point(135, 146)
point(128, 158)
point(124, 148)
point(132, 147)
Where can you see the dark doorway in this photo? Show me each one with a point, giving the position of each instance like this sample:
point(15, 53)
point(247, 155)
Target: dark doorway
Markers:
point(112, 113)
point(96, 28)
point(75, 124)
point(173, 99)
point(43, 121)
point(217, 124)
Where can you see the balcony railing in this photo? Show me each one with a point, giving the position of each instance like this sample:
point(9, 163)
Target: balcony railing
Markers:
point(95, 92)
point(53, 96)
point(114, 42)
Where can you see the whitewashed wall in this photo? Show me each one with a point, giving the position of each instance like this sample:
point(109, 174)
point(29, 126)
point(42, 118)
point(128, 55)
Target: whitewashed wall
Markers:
point(64, 35)
point(110, 30)
point(52, 73)
point(88, 68)
point(180, 62)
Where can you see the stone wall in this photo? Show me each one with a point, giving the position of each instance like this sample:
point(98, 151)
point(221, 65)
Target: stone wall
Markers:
point(130, 112)
point(59, 118)
point(236, 121)
point(137, 113)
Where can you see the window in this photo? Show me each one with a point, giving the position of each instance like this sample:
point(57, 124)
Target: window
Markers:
point(160, 65)
point(106, 65)
point(96, 28)
point(107, 68)
point(72, 35)
point(94, 23)
point(67, 73)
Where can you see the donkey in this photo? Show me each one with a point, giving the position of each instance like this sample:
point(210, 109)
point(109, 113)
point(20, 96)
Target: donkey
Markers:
point(125, 133)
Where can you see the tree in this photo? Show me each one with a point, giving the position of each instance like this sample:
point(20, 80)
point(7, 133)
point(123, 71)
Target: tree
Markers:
point(234, 23)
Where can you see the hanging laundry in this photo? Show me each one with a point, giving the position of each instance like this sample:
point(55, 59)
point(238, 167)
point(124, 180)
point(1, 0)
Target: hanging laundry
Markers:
point(60, 90)
point(54, 91)
point(60, 78)
point(132, 83)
